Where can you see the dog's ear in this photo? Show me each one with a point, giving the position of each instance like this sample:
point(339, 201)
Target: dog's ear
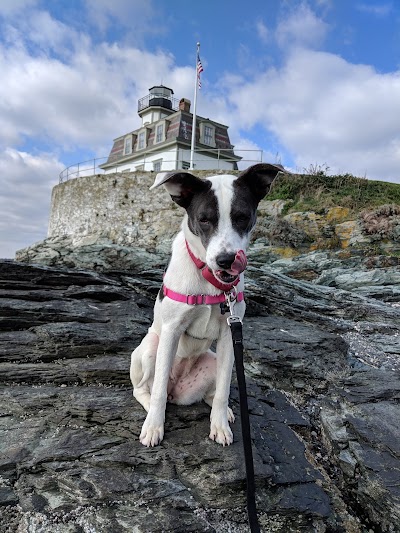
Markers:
point(258, 178)
point(182, 186)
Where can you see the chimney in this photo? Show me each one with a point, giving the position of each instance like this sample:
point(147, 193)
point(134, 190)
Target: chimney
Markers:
point(184, 105)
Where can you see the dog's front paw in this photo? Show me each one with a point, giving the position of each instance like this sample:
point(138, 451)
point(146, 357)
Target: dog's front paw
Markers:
point(221, 433)
point(151, 434)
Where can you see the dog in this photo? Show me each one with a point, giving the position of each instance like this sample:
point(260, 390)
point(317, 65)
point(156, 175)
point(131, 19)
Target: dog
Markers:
point(174, 361)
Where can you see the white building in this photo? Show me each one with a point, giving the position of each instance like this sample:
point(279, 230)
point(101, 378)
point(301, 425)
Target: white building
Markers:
point(163, 141)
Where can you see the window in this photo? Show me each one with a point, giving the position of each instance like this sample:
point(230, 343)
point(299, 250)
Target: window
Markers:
point(141, 140)
point(185, 165)
point(139, 167)
point(159, 133)
point(128, 145)
point(157, 165)
point(208, 135)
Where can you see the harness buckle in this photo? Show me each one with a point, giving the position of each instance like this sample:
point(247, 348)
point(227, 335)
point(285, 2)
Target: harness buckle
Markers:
point(196, 299)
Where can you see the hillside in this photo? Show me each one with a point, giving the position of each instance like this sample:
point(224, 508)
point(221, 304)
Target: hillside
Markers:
point(319, 191)
point(305, 213)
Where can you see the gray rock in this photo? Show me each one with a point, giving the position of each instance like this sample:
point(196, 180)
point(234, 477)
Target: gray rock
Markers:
point(348, 280)
point(363, 428)
point(98, 254)
point(386, 293)
point(324, 422)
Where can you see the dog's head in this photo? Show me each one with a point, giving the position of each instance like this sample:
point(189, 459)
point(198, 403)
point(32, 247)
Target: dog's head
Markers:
point(221, 212)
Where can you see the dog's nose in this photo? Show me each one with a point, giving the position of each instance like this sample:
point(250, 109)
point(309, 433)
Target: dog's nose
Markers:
point(225, 260)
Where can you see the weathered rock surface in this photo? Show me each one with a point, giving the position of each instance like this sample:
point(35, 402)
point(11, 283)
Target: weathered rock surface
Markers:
point(371, 276)
point(99, 254)
point(323, 387)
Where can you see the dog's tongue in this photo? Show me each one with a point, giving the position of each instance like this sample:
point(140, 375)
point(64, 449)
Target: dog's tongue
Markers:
point(239, 264)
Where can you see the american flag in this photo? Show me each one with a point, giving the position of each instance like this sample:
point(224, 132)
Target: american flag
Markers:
point(199, 70)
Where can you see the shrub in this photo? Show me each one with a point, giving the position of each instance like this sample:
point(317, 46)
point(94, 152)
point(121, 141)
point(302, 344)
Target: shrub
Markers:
point(381, 223)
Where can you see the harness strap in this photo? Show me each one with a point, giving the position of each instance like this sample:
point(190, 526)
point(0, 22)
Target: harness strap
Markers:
point(199, 299)
point(208, 275)
point(198, 262)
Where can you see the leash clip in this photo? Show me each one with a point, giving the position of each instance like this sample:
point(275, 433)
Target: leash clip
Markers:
point(231, 298)
point(233, 320)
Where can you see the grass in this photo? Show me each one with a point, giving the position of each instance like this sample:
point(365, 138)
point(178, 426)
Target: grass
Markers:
point(318, 192)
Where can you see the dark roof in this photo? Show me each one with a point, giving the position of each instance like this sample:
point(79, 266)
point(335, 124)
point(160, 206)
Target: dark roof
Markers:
point(161, 87)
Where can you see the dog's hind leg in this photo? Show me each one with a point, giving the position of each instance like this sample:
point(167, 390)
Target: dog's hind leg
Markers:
point(143, 361)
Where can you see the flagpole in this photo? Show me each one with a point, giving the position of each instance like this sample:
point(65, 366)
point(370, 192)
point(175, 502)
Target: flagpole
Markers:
point(196, 83)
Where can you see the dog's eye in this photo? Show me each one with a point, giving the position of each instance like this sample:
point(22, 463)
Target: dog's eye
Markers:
point(204, 221)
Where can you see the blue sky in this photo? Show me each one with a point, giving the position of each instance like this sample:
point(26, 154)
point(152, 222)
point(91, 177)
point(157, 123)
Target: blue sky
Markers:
point(309, 82)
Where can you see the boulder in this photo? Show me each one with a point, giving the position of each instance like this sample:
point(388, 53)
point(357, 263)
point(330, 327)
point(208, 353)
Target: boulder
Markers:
point(323, 413)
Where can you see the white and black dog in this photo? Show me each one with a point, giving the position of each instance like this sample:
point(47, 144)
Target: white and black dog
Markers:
point(174, 361)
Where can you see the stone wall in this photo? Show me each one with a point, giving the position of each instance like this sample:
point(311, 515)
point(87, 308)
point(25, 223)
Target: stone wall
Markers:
point(104, 221)
point(117, 207)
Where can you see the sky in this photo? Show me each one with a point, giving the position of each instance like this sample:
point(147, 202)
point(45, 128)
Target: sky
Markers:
point(311, 83)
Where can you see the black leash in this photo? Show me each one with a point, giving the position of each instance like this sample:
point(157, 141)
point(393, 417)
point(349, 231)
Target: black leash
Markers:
point(237, 338)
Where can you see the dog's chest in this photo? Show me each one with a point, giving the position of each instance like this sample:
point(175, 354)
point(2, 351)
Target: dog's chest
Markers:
point(205, 323)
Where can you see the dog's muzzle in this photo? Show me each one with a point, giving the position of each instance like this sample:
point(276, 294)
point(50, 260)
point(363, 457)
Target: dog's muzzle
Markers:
point(238, 265)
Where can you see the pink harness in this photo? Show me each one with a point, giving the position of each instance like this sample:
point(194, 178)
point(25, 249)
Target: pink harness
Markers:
point(229, 290)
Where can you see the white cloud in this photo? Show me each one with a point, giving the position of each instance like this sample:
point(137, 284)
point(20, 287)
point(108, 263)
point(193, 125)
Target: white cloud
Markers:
point(324, 4)
point(301, 27)
point(378, 10)
point(61, 88)
point(252, 153)
point(85, 101)
point(262, 31)
point(44, 35)
point(138, 17)
point(12, 7)
point(26, 186)
point(326, 110)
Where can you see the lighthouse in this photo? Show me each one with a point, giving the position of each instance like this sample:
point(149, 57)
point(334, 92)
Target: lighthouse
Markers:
point(163, 141)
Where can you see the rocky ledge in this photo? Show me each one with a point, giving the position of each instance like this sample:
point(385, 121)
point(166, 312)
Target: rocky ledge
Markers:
point(323, 383)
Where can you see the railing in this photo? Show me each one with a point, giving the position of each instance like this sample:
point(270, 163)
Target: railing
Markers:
point(91, 166)
point(155, 99)
point(84, 168)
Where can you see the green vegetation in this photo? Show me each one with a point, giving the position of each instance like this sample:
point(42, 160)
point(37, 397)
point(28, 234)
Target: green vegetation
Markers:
point(317, 192)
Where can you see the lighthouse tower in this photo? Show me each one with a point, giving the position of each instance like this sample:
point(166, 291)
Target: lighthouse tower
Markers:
point(163, 140)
